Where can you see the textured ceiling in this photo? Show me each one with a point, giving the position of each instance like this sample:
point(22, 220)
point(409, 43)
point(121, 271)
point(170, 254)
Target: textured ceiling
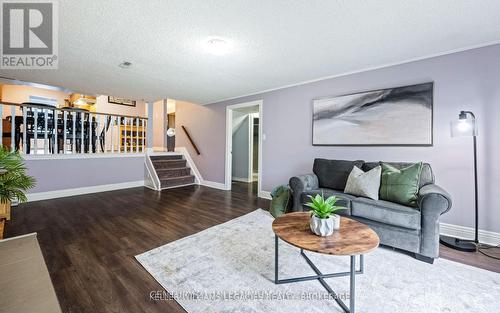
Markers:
point(276, 43)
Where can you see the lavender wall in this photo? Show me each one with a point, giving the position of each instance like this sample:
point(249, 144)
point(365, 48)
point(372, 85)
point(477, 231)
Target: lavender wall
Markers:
point(58, 174)
point(465, 80)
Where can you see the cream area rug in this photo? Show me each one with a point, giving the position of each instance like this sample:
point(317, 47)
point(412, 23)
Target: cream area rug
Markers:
point(230, 268)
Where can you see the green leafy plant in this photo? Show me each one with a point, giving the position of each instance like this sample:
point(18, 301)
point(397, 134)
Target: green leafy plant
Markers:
point(13, 179)
point(322, 208)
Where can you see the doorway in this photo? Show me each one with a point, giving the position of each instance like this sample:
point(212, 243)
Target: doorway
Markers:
point(244, 144)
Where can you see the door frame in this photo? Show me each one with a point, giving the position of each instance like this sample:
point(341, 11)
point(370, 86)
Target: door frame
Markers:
point(229, 142)
point(251, 133)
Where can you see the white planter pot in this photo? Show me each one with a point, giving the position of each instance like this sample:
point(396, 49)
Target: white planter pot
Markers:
point(324, 227)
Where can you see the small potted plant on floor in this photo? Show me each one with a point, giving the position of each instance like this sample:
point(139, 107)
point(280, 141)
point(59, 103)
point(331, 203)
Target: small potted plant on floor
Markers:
point(13, 181)
point(323, 218)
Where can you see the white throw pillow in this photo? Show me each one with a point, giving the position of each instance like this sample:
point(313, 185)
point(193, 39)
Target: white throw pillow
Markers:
point(364, 184)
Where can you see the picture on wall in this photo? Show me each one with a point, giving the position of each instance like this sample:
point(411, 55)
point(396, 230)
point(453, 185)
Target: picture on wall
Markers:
point(400, 116)
point(121, 101)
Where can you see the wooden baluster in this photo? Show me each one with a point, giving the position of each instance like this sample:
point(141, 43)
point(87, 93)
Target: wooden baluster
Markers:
point(13, 128)
point(73, 141)
point(136, 135)
point(35, 130)
point(56, 144)
point(120, 135)
point(104, 132)
point(144, 128)
point(25, 128)
point(65, 129)
point(97, 128)
point(132, 127)
point(89, 138)
point(112, 134)
point(129, 136)
point(143, 134)
point(46, 131)
point(82, 133)
point(125, 136)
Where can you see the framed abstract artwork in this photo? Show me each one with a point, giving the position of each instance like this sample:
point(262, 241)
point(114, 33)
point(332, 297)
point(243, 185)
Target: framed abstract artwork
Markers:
point(400, 116)
point(121, 101)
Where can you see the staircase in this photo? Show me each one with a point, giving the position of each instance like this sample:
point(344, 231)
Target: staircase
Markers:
point(172, 171)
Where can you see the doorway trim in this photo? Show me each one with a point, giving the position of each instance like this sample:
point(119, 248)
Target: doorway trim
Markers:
point(229, 142)
point(251, 133)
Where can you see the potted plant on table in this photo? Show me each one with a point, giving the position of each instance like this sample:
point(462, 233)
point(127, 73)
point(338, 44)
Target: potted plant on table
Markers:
point(323, 218)
point(13, 181)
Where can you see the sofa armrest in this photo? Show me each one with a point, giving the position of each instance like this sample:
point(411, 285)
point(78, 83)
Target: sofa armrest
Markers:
point(433, 201)
point(433, 198)
point(299, 184)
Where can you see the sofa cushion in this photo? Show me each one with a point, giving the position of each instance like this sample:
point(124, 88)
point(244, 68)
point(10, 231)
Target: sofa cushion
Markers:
point(400, 185)
point(343, 199)
point(386, 212)
point(333, 174)
point(364, 184)
point(426, 177)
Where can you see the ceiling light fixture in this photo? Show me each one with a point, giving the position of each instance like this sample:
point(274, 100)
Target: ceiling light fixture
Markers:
point(125, 64)
point(217, 46)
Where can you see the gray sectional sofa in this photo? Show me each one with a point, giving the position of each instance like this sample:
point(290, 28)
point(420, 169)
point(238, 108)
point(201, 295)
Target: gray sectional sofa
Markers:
point(414, 229)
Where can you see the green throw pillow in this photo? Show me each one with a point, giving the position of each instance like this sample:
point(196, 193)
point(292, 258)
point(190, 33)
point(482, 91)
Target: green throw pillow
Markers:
point(400, 185)
point(280, 200)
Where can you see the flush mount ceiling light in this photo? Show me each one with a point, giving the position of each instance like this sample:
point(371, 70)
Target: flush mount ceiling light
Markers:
point(125, 64)
point(217, 46)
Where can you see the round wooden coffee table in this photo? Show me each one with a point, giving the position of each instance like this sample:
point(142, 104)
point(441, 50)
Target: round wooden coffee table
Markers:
point(353, 238)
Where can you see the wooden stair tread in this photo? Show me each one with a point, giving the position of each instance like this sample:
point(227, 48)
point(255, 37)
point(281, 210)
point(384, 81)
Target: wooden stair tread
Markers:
point(177, 178)
point(166, 157)
point(167, 160)
point(166, 169)
point(172, 170)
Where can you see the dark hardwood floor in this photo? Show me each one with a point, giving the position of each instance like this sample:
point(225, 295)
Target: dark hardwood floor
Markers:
point(89, 242)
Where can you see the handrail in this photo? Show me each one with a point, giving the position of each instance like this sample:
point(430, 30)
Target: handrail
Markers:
point(41, 106)
point(191, 140)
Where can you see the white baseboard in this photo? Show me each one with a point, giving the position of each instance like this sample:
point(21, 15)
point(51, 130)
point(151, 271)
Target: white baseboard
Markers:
point(265, 195)
point(242, 179)
point(487, 237)
point(213, 184)
point(37, 196)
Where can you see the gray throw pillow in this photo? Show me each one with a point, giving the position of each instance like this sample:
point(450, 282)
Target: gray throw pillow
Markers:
point(364, 184)
point(332, 174)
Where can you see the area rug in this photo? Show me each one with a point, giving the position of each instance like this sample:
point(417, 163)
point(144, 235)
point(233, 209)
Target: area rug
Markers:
point(230, 268)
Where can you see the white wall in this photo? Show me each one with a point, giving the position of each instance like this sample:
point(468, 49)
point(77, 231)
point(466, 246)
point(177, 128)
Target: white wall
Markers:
point(103, 106)
point(20, 94)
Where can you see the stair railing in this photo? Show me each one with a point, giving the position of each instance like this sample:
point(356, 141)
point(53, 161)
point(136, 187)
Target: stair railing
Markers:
point(191, 140)
point(36, 129)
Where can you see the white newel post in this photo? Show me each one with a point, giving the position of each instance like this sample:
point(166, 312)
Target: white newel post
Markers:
point(149, 132)
point(165, 125)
